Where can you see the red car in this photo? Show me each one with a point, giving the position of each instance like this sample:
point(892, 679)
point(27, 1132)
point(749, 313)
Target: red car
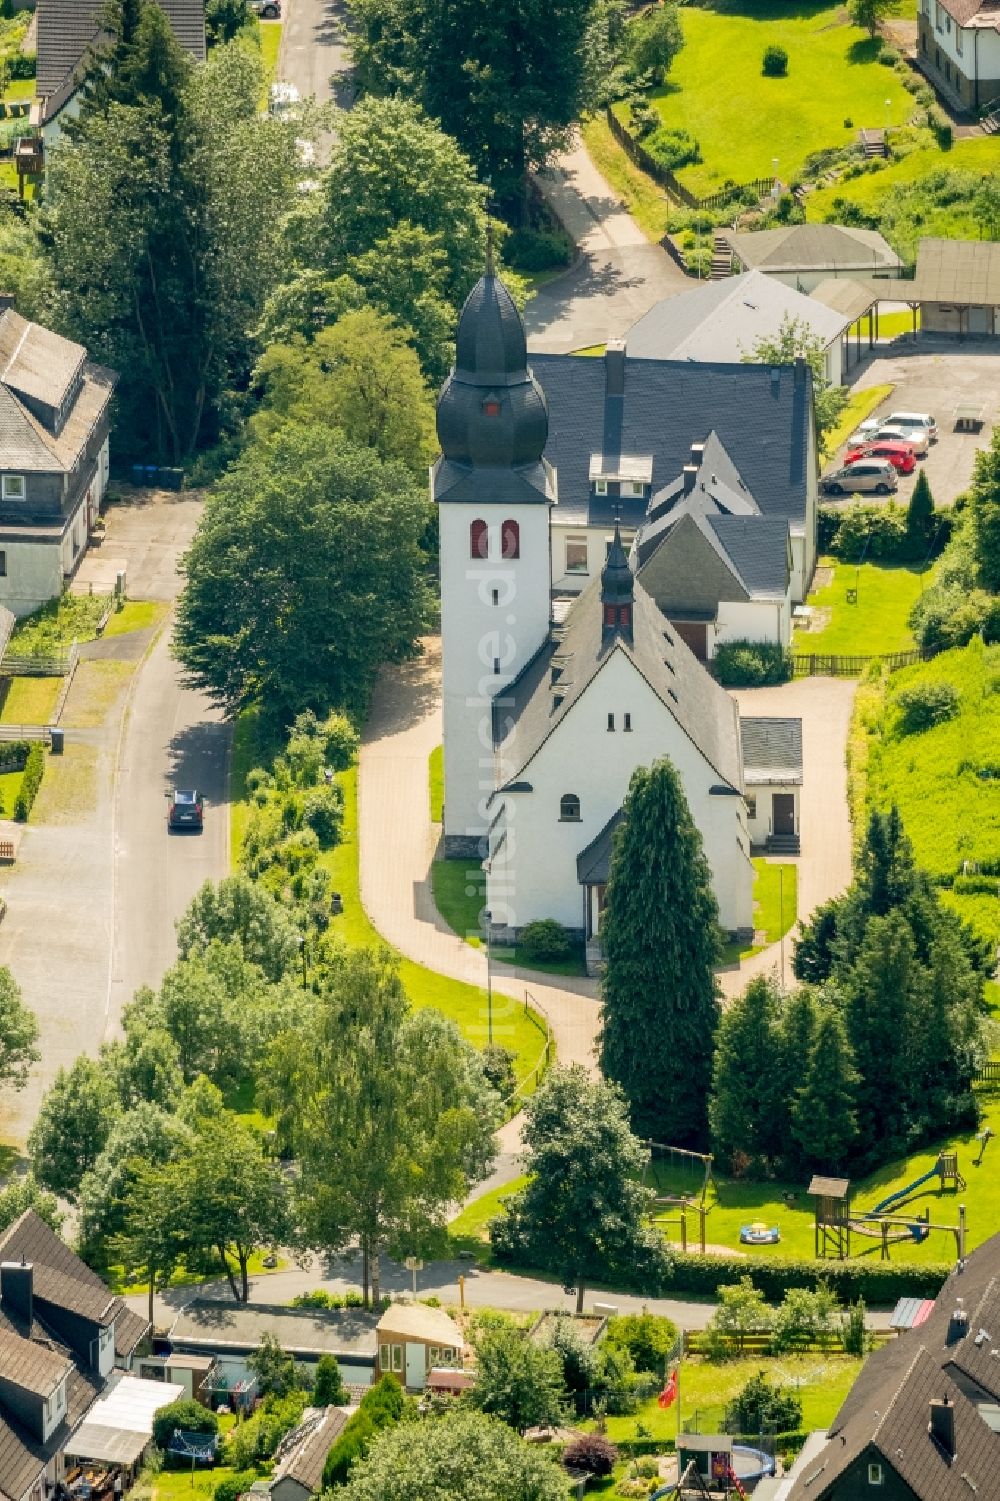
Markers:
point(900, 455)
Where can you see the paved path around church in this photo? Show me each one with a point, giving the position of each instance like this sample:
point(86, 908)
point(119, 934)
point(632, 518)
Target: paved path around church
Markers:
point(98, 883)
point(314, 53)
point(619, 274)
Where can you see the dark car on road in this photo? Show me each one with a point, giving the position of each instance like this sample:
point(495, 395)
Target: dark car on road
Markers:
point(186, 809)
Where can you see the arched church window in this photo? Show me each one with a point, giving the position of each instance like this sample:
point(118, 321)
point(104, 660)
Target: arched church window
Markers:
point(479, 540)
point(569, 808)
point(510, 540)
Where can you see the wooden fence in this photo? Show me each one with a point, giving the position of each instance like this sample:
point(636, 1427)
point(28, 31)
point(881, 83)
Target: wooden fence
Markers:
point(989, 1073)
point(54, 665)
point(760, 1343)
point(827, 665)
point(637, 153)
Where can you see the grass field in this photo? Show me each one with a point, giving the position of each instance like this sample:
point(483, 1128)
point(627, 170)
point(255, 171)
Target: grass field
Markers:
point(435, 777)
point(135, 615)
point(10, 786)
point(877, 622)
point(467, 1231)
point(30, 700)
point(834, 85)
point(269, 33)
point(644, 200)
point(860, 404)
point(460, 895)
point(977, 155)
point(775, 907)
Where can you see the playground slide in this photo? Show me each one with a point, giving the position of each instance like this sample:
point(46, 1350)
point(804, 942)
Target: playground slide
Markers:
point(901, 1193)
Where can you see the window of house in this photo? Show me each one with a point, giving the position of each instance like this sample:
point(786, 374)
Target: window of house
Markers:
point(384, 1357)
point(569, 808)
point(496, 596)
point(625, 615)
point(600, 487)
point(751, 806)
point(874, 1474)
point(397, 1357)
point(576, 555)
point(611, 722)
point(479, 540)
point(628, 723)
point(938, 16)
point(510, 540)
point(947, 23)
point(3, 565)
point(610, 615)
point(491, 407)
point(13, 487)
point(635, 488)
point(958, 40)
point(447, 1353)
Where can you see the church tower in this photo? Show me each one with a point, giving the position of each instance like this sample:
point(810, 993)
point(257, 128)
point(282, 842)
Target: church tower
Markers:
point(493, 490)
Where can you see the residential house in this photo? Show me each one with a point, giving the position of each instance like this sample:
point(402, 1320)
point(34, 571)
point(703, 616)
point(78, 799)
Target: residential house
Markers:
point(54, 423)
point(550, 706)
point(803, 255)
point(414, 1339)
point(922, 1421)
point(958, 47)
point(717, 567)
point(67, 31)
point(301, 1455)
point(229, 1332)
point(722, 322)
point(62, 1335)
point(620, 431)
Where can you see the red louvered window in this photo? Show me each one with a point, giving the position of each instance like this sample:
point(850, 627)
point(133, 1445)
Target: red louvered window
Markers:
point(479, 540)
point(510, 539)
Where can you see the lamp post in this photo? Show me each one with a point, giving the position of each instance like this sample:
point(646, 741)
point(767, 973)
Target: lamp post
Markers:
point(888, 114)
point(302, 951)
point(781, 920)
point(774, 167)
point(488, 917)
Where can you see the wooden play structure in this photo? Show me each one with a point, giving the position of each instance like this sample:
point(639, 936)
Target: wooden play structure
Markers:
point(836, 1221)
point(697, 1165)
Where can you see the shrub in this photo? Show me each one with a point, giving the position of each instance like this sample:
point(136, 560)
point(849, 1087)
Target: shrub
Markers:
point(544, 940)
point(14, 754)
point(537, 249)
point(498, 1066)
point(775, 64)
point(927, 704)
point(942, 128)
point(234, 1485)
point(329, 1389)
point(648, 1338)
point(592, 1454)
point(323, 812)
point(751, 664)
point(644, 119)
point(672, 148)
point(763, 1408)
point(854, 1334)
point(34, 770)
point(340, 741)
point(318, 1298)
point(20, 65)
point(381, 1407)
point(876, 1282)
point(258, 1438)
point(888, 56)
point(185, 1414)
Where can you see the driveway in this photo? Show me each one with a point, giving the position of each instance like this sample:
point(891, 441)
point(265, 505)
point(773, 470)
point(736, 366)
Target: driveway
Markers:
point(619, 275)
point(98, 884)
point(937, 375)
point(314, 55)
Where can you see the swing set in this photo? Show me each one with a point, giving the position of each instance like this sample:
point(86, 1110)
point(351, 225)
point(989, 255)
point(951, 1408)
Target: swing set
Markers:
point(677, 1162)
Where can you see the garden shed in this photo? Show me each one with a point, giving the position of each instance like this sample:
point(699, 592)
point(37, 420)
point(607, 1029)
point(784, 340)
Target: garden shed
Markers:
point(413, 1339)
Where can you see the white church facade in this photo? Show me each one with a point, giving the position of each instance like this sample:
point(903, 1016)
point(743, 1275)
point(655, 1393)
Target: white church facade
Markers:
point(551, 705)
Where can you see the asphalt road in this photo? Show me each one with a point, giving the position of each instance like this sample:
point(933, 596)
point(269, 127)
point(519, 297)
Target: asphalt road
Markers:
point(314, 54)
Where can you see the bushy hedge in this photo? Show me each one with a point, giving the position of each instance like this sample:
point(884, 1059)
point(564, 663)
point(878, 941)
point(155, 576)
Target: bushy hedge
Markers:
point(20, 65)
point(927, 704)
point(775, 63)
point(380, 1407)
point(876, 1282)
point(752, 664)
point(34, 770)
point(544, 940)
point(980, 885)
point(672, 148)
point(879, 533)
point(537, 249)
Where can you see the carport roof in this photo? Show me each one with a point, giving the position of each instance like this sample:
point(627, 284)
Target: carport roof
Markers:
point(965, 272)
point(852, 296)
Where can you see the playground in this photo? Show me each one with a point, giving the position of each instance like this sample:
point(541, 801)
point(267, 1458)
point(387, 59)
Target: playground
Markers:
point(907, 1211)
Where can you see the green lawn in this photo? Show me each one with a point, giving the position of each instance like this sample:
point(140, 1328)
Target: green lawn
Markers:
point(30, 700)
point(890, 326)
point(645, 201)
point(435, 775)
point(775, 907)
point(54, 628)
point(943, 779)
point(269, 35)
point(135, 615)
point(18, 90)
point(183, 1278)
point(742, 120)
point(10, 786)
point(467, 1231)
point(954, 220)
point(460, 894)
point(860, 404)
point(877, 622)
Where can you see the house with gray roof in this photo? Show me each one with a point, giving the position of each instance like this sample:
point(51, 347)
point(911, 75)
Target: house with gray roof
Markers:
point(55, 408)
point(922, 1420)
point(717, 567)
point(803, 255)
point(67, 33)
point(62, 1336)
point(723, 322)
point(231, 1331)
point(301, 1455)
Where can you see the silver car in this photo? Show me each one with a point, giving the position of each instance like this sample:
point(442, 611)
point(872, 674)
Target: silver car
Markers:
point(865, 477)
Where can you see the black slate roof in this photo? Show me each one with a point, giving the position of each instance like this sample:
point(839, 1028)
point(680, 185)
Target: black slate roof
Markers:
point(594, 862)
point(66, 28)
point(761, 415)
point(758, 548)
point(772, 749)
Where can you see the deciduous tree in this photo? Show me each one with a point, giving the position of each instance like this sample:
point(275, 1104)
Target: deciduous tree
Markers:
point(984, 510)
point(518, 1381)
point(869, 14)
point(796, 341)
point(237, 908)
point(660, 935)
point(71, 1129)
point(18, 1034)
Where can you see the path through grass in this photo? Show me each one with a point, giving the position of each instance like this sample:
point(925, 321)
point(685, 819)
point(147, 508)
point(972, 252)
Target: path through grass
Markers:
point(877, 622)
point(775, 907)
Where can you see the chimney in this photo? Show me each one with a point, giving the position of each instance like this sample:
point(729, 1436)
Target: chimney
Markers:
point(16, 1282)
point(958, 1324)
point(614, 367)
point(800, 369)
point(689, 474)
point(697, 455)
point(942, 1425)
point(6, 301)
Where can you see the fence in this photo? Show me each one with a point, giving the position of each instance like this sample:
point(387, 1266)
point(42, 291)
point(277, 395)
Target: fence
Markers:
point(531, 1081)
point(988, 1074)
point(761, 1342)
point(824, 664)
point(51, 665)
point(636, 152)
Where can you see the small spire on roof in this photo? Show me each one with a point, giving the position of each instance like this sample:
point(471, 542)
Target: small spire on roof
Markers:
point(489, 230)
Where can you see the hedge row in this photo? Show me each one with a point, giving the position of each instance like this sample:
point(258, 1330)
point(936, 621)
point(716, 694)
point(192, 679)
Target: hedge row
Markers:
point(14, 754)
point(876, 1282)
point(879, 533)
point(34, 770)
point(20, 65)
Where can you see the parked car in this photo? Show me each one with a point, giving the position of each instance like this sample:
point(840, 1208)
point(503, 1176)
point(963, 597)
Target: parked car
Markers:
point(922, 420)
point(866, 477)
point(186, 809)
point(899, 455)
point(268, 10)
point(884, 433)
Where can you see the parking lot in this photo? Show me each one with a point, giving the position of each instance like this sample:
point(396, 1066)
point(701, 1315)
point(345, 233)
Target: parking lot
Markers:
point(937, 376)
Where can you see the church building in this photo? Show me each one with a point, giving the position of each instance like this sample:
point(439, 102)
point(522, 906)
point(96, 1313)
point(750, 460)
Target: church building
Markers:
point(550, 704)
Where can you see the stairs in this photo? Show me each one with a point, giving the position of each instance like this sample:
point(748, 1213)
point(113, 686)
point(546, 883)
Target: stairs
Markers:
point(991, 124)
point(782, 844)
point(594, 957)
point(873, 143)
point(722, 259)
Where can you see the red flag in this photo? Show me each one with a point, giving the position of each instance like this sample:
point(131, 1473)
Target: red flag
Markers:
point(669, 1392)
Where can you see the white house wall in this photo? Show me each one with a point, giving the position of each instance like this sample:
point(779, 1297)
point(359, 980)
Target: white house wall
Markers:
point(761, 823)
point(597, 539)
point(534, 874)
point(474, 632)
point(756, 620)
